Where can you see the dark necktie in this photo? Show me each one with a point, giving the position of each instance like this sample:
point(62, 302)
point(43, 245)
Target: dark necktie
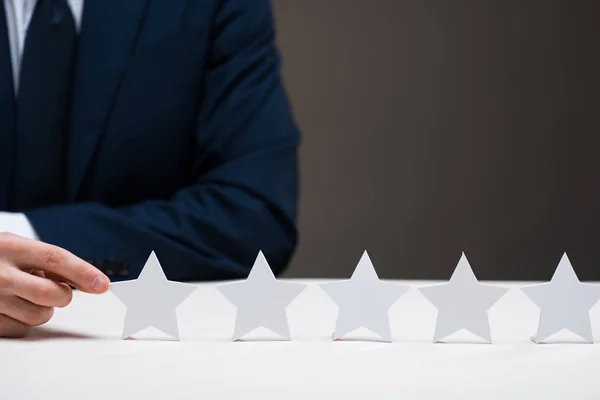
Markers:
point(43, 104)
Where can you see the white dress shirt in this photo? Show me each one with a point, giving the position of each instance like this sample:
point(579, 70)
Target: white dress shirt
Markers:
point(18, 15)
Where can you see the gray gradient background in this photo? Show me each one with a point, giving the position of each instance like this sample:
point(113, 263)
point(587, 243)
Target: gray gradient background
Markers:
point(436, 126)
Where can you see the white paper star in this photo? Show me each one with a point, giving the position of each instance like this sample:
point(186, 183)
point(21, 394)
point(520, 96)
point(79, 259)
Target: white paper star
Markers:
point(151, 300)
point(364, 301)
point(462, 303)
point(261, 300)
point(565, 303)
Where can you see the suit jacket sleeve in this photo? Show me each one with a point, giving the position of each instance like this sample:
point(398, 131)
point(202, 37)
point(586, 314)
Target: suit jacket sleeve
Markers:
point(245, 193)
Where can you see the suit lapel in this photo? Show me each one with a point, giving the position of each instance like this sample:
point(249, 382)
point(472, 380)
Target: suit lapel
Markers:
point(7, 116)
point(108, 37)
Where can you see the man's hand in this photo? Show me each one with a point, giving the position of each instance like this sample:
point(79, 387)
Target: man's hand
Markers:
point(35, 278)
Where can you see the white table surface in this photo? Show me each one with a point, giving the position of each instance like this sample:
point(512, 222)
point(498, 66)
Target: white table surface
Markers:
point(79, 354)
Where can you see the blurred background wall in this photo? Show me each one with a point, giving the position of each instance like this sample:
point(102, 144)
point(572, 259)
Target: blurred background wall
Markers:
point(437, 126)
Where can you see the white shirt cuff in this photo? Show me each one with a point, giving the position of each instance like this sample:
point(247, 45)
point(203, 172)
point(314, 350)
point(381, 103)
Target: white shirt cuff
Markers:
point(18, 224)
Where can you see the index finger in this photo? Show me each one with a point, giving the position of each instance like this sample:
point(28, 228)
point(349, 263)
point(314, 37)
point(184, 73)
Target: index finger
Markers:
point(27, 253)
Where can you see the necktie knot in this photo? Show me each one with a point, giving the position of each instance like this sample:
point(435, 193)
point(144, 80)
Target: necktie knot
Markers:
point(59, 10)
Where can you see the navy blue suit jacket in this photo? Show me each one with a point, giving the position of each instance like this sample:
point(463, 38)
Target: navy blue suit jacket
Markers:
point(181, 140)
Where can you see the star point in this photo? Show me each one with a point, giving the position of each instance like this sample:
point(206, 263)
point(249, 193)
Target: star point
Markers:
point(463, 270)
point(261, 269)
point(364, 269)
point(152, 270)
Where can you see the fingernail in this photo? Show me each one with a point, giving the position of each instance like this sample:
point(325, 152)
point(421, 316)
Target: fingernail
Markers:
point(99, 284)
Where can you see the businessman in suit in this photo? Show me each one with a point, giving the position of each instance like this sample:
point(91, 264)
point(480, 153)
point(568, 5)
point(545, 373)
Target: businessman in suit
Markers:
point(128, 126)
